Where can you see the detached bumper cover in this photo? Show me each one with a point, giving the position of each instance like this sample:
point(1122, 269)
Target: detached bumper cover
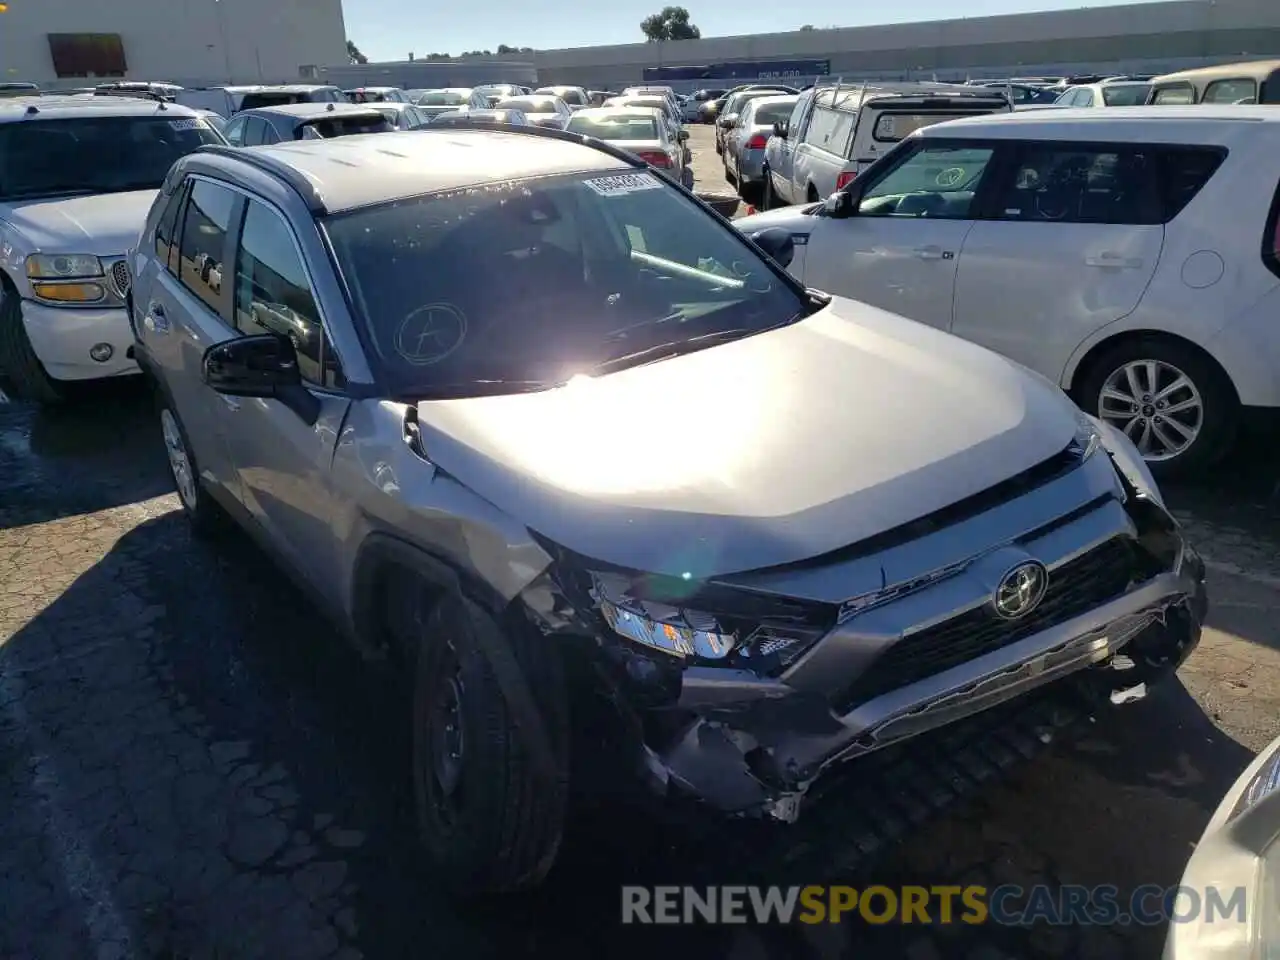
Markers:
point(757, 745)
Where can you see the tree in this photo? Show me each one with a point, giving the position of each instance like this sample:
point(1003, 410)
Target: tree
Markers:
point(807, 27)
point(670, 23)
point(354, 54)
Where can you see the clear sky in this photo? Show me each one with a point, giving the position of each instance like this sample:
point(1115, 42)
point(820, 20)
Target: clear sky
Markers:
point(390, 29)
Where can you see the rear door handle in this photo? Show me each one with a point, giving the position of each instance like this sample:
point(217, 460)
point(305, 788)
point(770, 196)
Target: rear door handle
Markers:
point(1113, 261)
point(933, 253)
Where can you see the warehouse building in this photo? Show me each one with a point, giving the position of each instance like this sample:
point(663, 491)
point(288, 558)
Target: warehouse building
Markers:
point(1137, 38)
point(65, 43)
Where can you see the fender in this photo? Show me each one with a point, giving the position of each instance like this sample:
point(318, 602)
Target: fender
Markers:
point(378, 548)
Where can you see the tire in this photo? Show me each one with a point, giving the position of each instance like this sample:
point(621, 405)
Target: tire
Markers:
point(20, 366)
point(505, 832)
point(768, 199)
point(751, 193)
point(686, 177)
point(1218, 414)
point(202, 511)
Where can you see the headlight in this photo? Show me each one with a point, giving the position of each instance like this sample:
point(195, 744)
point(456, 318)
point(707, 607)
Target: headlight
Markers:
point(1129, 461)
point(673, 630)
point(1088, 436)
point(63, 266)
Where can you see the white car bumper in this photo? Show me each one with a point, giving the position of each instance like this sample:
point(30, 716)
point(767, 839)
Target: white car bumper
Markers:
point(62, 338)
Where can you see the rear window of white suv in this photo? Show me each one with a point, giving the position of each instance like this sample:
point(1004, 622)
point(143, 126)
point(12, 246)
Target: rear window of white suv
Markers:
point(94, 154)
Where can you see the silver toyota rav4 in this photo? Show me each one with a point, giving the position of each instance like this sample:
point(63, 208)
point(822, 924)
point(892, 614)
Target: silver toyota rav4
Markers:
point(509, 403)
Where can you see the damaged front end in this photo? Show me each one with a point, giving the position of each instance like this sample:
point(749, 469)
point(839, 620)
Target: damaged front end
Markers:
point(745, 690)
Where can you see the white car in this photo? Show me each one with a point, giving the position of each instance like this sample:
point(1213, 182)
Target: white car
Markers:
point(1112, 93)
point(77, 177)
point(1129, 255)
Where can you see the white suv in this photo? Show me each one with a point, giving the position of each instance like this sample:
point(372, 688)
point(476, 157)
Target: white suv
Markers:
point(1129, 255)
point(77, 177)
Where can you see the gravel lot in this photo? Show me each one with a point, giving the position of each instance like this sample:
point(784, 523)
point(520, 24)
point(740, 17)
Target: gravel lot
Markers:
point(197, 768)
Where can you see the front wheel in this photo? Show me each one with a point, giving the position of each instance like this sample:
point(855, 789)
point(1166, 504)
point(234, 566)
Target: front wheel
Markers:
point(1173, 402)
point(19, 364)
point(489, 814)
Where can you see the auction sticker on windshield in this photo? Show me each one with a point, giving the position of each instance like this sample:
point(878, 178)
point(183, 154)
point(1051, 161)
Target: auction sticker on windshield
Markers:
point(623, 184)
point(187, 123)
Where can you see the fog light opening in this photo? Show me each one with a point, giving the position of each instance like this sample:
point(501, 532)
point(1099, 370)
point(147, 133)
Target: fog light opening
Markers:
point(101, 352)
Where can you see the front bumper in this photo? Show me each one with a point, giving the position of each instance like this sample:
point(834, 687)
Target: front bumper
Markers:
point(757, 744)
point(62, 338)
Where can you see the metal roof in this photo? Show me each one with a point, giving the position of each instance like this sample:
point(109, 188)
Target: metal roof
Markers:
point(54, 107)
point(1145, 124)
point(345, 173)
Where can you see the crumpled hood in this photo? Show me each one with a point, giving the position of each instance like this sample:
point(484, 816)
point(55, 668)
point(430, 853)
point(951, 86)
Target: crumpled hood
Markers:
point(105, 225)
point(765, 451)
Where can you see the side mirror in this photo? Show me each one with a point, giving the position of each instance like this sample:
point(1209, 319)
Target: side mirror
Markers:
point(263, 366)
point(842, 203)
point(780, 129)
point(777, 243)
point(682, 136)
point(727, 121)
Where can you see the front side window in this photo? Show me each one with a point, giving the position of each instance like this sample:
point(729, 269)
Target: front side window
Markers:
point(204, 240)
point(1084, 98)
point(1231, 91)
point(1126, 95)
point(934, 180)
point(235, 131)
point(797, 116)
point(520, 285)
point(1178, 95)
point(273, 294)
point(94, 154)
point(255, 128)
point(1117, 185)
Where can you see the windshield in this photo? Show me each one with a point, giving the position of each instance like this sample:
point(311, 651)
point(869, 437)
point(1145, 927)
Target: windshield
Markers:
point(441, 98)
point(520, 285)
point(329, 127)
point(1128, 95)
point(529, 105)
point(624, 127)
point(43, 158)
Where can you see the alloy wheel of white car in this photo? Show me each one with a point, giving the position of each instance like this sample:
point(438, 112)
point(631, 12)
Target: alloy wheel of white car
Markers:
point(1155, 404)
point(179, 460)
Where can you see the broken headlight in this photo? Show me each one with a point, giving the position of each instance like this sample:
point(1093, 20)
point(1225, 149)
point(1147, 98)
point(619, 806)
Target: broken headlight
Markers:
point(674, 630)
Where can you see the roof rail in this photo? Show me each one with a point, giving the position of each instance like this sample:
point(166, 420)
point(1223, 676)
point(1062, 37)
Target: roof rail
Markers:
point(269, 164)
point(546, 133)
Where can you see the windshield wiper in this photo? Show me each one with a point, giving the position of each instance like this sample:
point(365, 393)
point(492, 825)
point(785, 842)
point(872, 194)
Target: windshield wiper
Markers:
point(677, 348)
point(474, 388)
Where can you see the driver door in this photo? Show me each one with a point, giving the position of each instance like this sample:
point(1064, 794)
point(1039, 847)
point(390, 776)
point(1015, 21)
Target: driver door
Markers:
point(900, 250)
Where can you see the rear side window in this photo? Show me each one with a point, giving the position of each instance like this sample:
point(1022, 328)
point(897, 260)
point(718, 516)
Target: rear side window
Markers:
point(1071, 183)
point(167, 228)
point(1183, 93)
point(830, 130)
point(1271, 238)
point(1230, 91)
point(204, 241)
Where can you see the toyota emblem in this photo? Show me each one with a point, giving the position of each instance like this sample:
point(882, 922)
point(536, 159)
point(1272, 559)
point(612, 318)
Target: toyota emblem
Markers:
point(1021, 590)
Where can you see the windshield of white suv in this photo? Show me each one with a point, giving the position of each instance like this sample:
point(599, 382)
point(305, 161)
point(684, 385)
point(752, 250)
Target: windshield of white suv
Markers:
point(94, 154)
point(522, 284)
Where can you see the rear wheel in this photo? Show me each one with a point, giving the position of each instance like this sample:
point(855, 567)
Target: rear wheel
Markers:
point(1173, 402)
point(489, 815)
point(751, 192)
point(768, 199)
point(19, 365)
point(201, 509)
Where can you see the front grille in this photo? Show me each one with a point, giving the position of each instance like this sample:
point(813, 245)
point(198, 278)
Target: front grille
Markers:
point(119, 273)
point(1074, 588)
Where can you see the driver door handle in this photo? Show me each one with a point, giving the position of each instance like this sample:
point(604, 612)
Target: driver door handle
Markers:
point(1113, 261)
point(932, 253)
